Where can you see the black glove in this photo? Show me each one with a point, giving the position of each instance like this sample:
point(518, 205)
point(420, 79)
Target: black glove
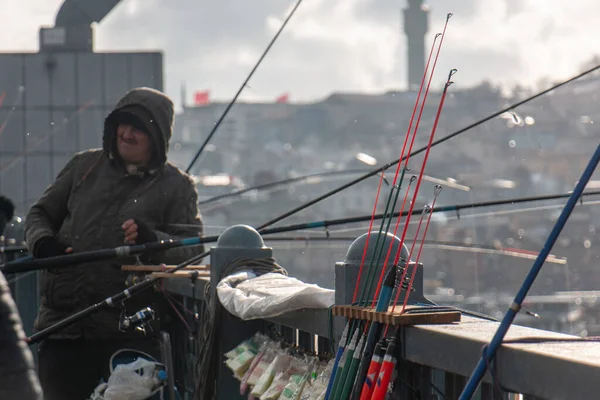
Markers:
point(144, 234)
point(49, 246)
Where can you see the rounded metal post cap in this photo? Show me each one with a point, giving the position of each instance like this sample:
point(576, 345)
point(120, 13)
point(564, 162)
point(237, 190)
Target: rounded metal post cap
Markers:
point(355, 251)
point(241, 236)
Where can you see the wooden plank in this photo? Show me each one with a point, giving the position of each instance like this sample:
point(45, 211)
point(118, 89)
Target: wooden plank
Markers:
point(397, 318)
point(178, 274)
point(158, 268)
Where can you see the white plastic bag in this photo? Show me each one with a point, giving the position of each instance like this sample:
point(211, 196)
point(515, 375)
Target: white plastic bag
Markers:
point(270, 295)
point(134, 381)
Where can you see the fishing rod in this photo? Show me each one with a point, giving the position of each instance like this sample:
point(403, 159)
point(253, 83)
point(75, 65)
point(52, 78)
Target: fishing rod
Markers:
point(375, 327)
point(244, 84)
point(336, 385)
point(318, 178)
point(490, 350)
point(108, 302)
point(357, 370)
point(435, 244)
point(18, 266)
point(66, 260)
point(284, 182)
point(422, 149)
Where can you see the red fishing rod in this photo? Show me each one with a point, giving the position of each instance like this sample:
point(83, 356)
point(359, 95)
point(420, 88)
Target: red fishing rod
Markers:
point(435, 124)
point(387, 367)
point(334, 382)
point(373, 329)
point(395, 185)
point(423, 166)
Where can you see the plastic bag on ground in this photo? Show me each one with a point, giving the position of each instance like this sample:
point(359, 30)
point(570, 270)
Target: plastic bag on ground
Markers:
point(134, 381)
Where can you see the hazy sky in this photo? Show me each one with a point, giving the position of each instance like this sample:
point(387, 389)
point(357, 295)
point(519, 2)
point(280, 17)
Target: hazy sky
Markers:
point(329, 45)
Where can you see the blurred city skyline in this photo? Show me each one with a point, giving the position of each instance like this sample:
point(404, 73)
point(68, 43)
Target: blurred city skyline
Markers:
point(333, 46)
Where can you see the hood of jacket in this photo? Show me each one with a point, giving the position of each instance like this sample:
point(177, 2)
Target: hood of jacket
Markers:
point(155, 110)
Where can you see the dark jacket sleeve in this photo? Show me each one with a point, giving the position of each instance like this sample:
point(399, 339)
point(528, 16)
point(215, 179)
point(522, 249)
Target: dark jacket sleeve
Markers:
point(47, 215)
point(18, 379)
point(182, 220)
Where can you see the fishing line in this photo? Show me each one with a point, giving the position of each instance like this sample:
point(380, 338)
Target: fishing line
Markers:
point(422, 149)
point(38, 141)
point(12, 109)
point(244, 84)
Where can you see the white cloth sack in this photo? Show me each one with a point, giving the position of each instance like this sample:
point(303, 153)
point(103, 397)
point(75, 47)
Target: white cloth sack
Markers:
point(248, 296)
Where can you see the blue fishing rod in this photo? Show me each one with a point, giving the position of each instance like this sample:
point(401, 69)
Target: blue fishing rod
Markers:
point(489, 352)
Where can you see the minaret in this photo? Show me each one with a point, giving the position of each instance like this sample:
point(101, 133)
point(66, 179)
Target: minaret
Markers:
point(416, 25)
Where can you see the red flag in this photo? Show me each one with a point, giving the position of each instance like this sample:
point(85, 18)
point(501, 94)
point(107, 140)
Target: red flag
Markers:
point(201, 97)
point(283, 98)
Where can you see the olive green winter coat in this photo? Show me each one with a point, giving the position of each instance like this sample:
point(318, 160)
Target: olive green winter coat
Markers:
point(87, 204)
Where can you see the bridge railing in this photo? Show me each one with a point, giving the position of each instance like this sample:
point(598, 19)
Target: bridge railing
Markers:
point(435, 361)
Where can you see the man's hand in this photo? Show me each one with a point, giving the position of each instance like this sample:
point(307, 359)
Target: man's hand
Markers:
point(49, 246)
point(137, 232)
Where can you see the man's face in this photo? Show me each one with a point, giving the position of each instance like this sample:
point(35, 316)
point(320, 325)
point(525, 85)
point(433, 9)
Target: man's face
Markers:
point(133, 145)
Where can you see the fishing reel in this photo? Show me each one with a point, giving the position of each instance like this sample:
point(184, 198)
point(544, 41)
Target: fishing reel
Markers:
point(400, 268)
point(140, 321)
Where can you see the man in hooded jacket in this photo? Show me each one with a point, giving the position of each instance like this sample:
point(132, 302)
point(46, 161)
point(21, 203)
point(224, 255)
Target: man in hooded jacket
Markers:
point(125, 192)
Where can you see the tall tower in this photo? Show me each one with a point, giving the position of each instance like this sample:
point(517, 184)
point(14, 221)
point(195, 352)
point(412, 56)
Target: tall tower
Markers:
point(416, 25)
